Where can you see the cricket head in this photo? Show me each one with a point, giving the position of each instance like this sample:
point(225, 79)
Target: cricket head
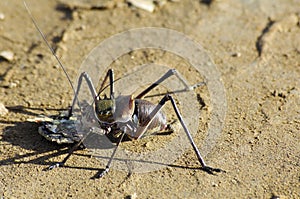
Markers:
point(113, 110)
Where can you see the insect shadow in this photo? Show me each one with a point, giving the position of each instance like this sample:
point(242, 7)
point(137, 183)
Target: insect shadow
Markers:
point(24, 135)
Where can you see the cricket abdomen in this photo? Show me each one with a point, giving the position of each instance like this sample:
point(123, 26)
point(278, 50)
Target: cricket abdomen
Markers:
point(143, 111)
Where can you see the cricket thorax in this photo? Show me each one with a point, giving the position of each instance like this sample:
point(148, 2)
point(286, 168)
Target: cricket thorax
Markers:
point(119, 109)
point(105, 109)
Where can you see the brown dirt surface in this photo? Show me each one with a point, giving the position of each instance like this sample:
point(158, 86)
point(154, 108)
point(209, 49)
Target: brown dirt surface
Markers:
point(256, 48)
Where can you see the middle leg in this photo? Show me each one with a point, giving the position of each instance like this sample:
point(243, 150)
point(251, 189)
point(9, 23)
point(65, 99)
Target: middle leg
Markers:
point(168, 74)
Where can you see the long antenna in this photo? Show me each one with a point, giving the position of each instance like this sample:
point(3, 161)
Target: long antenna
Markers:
point(51, 49)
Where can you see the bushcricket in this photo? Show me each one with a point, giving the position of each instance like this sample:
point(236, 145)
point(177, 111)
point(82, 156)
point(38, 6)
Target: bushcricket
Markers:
point(124, 115)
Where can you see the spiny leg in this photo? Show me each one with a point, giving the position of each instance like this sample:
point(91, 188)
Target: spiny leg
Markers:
point(61, 164)
point(168, 74)
point(206, 168)
point(141, 130)
point(94, 94)
point(111, 158)
point(92, 87)
point(110, 74)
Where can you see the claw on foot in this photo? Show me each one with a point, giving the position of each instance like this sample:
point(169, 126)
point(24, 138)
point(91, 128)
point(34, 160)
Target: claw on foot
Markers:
point(55, 166)
point(103, 173)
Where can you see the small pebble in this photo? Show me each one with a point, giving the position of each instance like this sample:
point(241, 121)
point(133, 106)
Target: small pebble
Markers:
point(147, 145)
point(12, 85)
point(2, 16)
point(143, 4)
point(7, 55)
point(3, 110)
point(81, 27)
point(275, 197)
point(133, 196)
point(237, 54)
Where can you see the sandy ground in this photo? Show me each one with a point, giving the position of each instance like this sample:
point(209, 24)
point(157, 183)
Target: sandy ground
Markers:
point(256, 48)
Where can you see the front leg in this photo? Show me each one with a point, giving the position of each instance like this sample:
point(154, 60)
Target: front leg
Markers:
point(90, 85)
point(62, 163)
